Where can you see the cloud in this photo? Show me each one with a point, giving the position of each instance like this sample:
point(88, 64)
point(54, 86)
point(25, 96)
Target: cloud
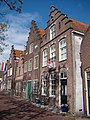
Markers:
point(18, 31)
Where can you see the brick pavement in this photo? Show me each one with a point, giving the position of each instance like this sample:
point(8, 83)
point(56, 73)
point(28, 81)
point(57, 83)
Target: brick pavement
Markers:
point(15, 108)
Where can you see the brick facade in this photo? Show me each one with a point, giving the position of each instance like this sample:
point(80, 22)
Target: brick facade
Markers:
point(59, 46)
point(85, 58)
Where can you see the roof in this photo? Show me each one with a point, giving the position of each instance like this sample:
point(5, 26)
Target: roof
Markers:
point(79, 26)
point(18, 53)
point(41, 31)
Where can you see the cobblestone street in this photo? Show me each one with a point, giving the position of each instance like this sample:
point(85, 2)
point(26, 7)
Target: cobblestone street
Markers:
point(15, 108)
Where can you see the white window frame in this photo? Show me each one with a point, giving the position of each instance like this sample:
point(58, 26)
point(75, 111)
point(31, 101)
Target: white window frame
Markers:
point(62, 49)
point(45, 57)
point(52, 87)
point(36, 67)
point(31, 48)
point(52, 31)
point(10, 71)
point(52, 52)
point(35, 86)
point(30, 64)
point(44, 86)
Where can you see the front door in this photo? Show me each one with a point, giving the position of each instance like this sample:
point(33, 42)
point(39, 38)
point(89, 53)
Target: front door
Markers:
point(63, 91)
point(29, 91)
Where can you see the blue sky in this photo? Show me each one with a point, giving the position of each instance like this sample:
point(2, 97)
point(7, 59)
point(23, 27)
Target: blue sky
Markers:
point(76, 9)
point(39, 10)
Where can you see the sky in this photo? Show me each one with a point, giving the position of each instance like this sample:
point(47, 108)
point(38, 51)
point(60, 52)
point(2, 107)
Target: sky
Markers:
point(39, 11)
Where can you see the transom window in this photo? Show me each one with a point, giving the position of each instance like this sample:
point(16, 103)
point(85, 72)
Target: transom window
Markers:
point(36, 62)
point(45, 57)
point(63, 74)
point(31, 48)
point(30, 65)
point(52, 32)
point(52, 52)
point(62, 50)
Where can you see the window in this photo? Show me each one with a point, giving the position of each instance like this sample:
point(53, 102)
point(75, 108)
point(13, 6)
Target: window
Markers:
point(10, 71)
point(30, 65)
point(62, 50)
point(31, 48)
point(52, 84)
point(44, 85)
point(63, 74)
point(25, 67)
point(52, 53)
point(52, 32)
point(24, 86)
point(35, 86)
point(45, 57)
point(36, 62)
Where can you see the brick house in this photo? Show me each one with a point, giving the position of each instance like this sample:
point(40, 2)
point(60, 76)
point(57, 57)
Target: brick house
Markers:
point(19, 75)
point(32, 62)
point(60, 64)
point(11, 69)
point(85, 59)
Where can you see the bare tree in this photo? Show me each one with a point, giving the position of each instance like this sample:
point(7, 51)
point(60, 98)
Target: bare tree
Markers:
point(14, 5)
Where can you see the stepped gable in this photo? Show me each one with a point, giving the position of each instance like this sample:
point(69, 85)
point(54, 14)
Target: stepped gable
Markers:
point(40, 32)
point(79, 26)
point(74, 24)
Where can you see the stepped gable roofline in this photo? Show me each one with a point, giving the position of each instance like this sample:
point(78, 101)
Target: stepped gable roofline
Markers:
point(39, 31)
point(79, 26)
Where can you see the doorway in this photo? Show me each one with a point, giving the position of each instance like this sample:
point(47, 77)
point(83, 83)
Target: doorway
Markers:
point(29, 90)
point(63, 92)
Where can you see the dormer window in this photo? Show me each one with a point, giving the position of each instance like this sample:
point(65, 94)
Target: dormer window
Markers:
point(52, 32)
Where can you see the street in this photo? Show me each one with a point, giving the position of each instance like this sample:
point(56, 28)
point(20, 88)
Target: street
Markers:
point(15, 108)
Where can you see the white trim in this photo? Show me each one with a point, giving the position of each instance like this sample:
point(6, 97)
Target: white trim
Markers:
point(43, 65)
point(60, 59)
point(77, 32)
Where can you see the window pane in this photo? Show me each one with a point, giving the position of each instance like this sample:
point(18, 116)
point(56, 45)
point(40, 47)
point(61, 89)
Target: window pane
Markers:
point(52, 32)
point(45, 57)
point(36, 62)
point(62, 49)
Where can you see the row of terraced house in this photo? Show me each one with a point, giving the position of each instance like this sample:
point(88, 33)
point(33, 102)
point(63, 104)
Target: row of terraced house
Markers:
point(50, 67)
